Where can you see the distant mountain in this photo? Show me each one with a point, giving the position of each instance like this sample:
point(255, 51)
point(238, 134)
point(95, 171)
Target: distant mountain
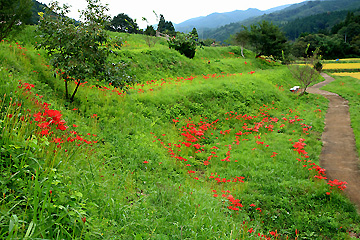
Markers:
point(284, 16)
point(215, 20)
point(323, 22)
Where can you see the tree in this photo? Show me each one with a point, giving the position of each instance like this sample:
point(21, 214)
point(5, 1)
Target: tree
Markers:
point(184, 43)
point(13, 15)
point(309, 72)
point(124, 23)
point(194, 33)
point(150, 31)
point(166, 27)
point(242, 38)
point(267, 39)
point(330, 47)
point(161, 25)
point(76, 49)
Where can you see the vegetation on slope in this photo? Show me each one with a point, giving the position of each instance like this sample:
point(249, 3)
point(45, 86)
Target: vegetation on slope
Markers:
point(213, 147)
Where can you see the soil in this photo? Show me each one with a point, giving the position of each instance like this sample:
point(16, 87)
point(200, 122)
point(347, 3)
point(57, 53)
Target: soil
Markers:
point(339, 155)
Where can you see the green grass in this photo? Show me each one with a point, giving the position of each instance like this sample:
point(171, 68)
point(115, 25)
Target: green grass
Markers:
point(134, 183)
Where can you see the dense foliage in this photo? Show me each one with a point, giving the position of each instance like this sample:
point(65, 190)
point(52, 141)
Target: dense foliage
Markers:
point(265, 38)
point(123, 23)
point(77, 49)
point(184, 43)
point(13, 15)
point(165, 27)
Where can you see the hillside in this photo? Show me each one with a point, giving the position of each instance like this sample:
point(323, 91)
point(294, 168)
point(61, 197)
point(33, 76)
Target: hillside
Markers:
point(215, 20)
point(287, 15)
point(214, 147)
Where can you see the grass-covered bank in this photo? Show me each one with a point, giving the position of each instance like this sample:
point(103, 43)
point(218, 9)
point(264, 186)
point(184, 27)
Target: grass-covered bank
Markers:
point(197, 155)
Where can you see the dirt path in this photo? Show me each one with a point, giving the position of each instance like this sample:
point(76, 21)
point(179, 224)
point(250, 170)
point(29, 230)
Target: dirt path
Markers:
point(339, 156)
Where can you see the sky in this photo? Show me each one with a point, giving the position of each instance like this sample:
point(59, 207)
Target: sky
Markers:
point(174, 11)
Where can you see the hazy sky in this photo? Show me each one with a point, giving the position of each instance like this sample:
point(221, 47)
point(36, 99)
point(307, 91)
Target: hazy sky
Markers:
point(174, 11)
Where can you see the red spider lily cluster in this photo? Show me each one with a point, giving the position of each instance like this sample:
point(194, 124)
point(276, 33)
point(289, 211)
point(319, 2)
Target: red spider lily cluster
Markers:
point(200, 142)
point(320, 172)
point(152, 85)
point(49, 120)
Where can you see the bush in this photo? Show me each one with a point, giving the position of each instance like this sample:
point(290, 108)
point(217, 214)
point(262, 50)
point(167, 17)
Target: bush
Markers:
point(184, 43)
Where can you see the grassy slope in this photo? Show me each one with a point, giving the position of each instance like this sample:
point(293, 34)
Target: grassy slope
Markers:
point(124, 198)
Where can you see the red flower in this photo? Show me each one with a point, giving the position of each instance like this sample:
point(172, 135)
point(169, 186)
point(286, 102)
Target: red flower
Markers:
point(145, 161)
point(83, 219)
point(57, 140)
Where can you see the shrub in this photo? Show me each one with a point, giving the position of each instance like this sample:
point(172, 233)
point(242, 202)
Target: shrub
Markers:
point(184, 43)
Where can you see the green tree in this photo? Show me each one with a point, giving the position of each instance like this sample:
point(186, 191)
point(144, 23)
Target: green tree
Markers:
point(194, 33)
point(242, 38)
point(166, 27)
point(161, 25)
point(185, 44)
point(123, 23)
point(13, 15)
point(76, 49)
point(330, 47)
point(150, 31)
point(267, 39)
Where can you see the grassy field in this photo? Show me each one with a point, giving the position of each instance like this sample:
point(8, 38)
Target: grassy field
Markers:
point(210, 148)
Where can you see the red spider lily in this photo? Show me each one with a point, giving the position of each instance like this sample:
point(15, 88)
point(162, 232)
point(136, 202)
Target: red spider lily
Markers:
point(340, 184)
point(58, 140)
point(274, 154)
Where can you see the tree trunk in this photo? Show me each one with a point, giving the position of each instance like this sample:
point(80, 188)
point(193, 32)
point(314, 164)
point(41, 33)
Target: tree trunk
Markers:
point(66, 87)
point(73, 95)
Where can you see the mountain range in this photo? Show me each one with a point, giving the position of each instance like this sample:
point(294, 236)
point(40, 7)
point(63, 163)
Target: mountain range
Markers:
point(220, 26)
point(215, 20)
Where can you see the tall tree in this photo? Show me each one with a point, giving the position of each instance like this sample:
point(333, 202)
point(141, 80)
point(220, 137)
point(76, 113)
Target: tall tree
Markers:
point(13, 15)
point(267, 39)
point(123, 23)
point(161, 26)
point(166, 27)
point(242, 38)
